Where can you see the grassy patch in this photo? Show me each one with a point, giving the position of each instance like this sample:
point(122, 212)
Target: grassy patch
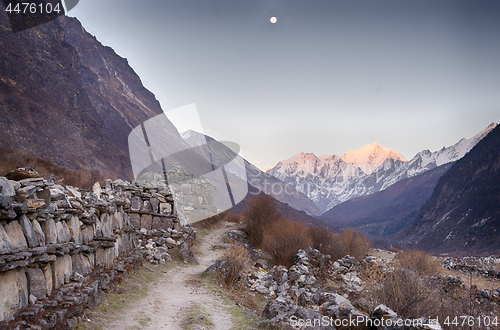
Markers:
point(142, 319)
point(197, 317)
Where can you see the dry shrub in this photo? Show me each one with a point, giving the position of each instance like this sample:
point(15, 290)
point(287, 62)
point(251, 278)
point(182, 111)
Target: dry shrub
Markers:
point(260, 213)
point(13, 159)
point(231, 217)
point(419, 262)
point(357, 244)
point(349, 242)
point(414, 294)
point(235, 260)
point(284, 238)
point(408, 294)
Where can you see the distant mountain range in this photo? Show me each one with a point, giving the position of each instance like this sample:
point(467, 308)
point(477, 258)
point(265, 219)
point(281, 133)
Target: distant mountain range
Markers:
point(463, 213)
point(331, 180)
point(386, 212)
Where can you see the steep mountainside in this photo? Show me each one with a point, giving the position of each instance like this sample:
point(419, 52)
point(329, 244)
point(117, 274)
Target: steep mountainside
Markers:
point(463, 213)
point(66, 98)
point(385, 212)
point(256, 178)
point(331, 180)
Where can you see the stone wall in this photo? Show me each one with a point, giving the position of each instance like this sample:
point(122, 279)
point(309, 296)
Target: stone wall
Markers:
point(62, 248)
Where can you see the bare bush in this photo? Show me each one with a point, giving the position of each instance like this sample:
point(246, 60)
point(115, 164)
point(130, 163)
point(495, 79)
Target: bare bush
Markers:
point(231, 217)
point(408, 294)
point(357, 244)
point(337, 245)
point(260, 213)
point(283, 238)
point(419, 262)
point(235, 260)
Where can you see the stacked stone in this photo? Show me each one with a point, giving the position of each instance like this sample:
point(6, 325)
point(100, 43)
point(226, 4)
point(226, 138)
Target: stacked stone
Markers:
point(61, 248)
point(298, 293)
point(480, 266)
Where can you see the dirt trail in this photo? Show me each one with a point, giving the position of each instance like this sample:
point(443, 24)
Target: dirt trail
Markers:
point(170, 300)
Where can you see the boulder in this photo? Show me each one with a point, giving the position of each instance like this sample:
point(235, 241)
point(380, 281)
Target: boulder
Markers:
point(63, 235)
point(186, 253)
point(22, 173)
point(162, 223)
point(39, 232)
point(16, 235)
point(13, 293)
point(274, 308)
point(96, 189)
point(74, 229)
point(5, 201)
point(50, 231)
point(36, 282)
point(6, 187)
point(62, 269)
point(382, 311)
point(28, 231)
point(34, 203)
point(5, 244)
point(147, 221)
point(56, 194)
point(135, 220)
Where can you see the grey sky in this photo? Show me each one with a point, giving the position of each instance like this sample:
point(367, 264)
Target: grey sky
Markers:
point(328, 77)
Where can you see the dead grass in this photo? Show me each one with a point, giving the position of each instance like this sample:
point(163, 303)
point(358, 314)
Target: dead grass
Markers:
point(13, 159)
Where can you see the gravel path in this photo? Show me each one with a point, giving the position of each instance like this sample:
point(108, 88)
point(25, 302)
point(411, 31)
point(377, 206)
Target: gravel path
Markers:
point(170, 300)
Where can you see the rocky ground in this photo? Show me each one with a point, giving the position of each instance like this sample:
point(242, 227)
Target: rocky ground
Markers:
point(320, 293)
point(315, 293)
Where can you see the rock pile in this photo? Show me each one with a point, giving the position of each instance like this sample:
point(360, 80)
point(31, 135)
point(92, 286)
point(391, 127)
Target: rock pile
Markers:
point(62, 248)
point(480, 266)
point(301, 299)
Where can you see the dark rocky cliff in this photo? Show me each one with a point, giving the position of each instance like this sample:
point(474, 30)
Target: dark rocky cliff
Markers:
point(67, 98)
point(463, 213)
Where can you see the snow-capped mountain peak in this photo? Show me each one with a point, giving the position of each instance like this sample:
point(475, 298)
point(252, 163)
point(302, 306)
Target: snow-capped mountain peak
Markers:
point(371, 156)
point(330, 180)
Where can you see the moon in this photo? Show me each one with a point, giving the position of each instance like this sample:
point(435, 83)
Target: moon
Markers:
point(273, 20)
